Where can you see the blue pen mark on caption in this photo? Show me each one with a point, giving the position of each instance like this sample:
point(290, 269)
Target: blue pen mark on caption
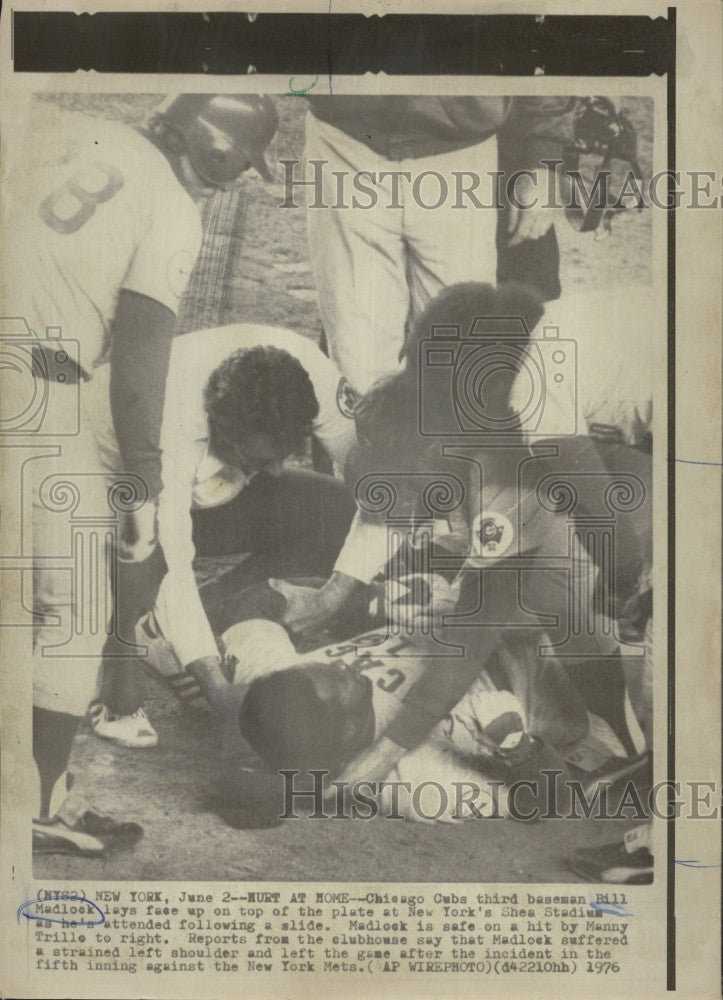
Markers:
point(65, 909)
point(613, 909)
point(693, 863)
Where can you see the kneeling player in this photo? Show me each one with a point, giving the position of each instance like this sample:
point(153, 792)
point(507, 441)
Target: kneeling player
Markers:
point(524, 552)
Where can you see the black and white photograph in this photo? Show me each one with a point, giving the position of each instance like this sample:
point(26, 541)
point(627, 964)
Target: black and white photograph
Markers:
point(337, 545)
point(373, 448)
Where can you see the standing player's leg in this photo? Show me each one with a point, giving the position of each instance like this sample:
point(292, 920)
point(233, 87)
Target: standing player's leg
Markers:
point(358, 257)
point(119, 714)
point(532, 262)
point(447, 245)
point(69, 638)
point(633, 518)
point(630, 860)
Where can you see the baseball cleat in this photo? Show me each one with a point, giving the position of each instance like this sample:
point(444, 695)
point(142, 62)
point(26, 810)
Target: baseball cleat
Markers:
point(53, 836)
point(90, 835)
point(537, 773)
point(625, 862)
point(533, 771)
point(124, 730)
point(115, 836)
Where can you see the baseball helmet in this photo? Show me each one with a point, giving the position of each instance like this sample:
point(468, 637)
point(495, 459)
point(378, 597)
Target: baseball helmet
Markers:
point(221, 132)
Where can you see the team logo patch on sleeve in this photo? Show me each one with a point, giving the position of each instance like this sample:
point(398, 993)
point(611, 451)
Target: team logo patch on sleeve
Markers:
point(492, 534)
point(346, 398)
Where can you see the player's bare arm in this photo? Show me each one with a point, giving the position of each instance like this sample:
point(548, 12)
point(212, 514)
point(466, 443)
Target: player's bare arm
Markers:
point(308, 608)
point(221, 696)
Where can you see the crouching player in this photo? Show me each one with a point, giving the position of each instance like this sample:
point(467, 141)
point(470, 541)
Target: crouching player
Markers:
point(521, 558)
point(245, 398)
point(519, 550)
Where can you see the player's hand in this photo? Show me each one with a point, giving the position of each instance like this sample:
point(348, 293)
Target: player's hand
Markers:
point(418, 604)
point(310, 608)
point(138, 532)
point(541, 195)
point(223, 697)
point(305, 608)
point(372, 764)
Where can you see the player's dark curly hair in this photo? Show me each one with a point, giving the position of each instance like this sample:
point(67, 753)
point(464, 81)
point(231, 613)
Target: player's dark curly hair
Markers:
point(259, 390)
point(387, 416)
point(462, 305)
point(289, 725)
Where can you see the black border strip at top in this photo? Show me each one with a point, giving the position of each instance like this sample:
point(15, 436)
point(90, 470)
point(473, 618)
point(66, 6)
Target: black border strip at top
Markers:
point(328, 44)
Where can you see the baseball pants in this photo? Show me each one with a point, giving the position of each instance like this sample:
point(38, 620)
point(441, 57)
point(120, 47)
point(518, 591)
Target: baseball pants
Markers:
point(73, 527)
point(376, 268)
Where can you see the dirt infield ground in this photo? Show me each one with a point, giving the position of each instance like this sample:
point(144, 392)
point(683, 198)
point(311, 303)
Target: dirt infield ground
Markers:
point(261, 254)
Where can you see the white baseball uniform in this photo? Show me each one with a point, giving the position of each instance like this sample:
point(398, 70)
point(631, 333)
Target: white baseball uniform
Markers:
point(604, 386)
point(483, 718)
point(92, 207)
point(376, 267)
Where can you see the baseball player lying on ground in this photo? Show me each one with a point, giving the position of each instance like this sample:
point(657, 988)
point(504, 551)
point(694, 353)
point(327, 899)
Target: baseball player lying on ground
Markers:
point(321, 709)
